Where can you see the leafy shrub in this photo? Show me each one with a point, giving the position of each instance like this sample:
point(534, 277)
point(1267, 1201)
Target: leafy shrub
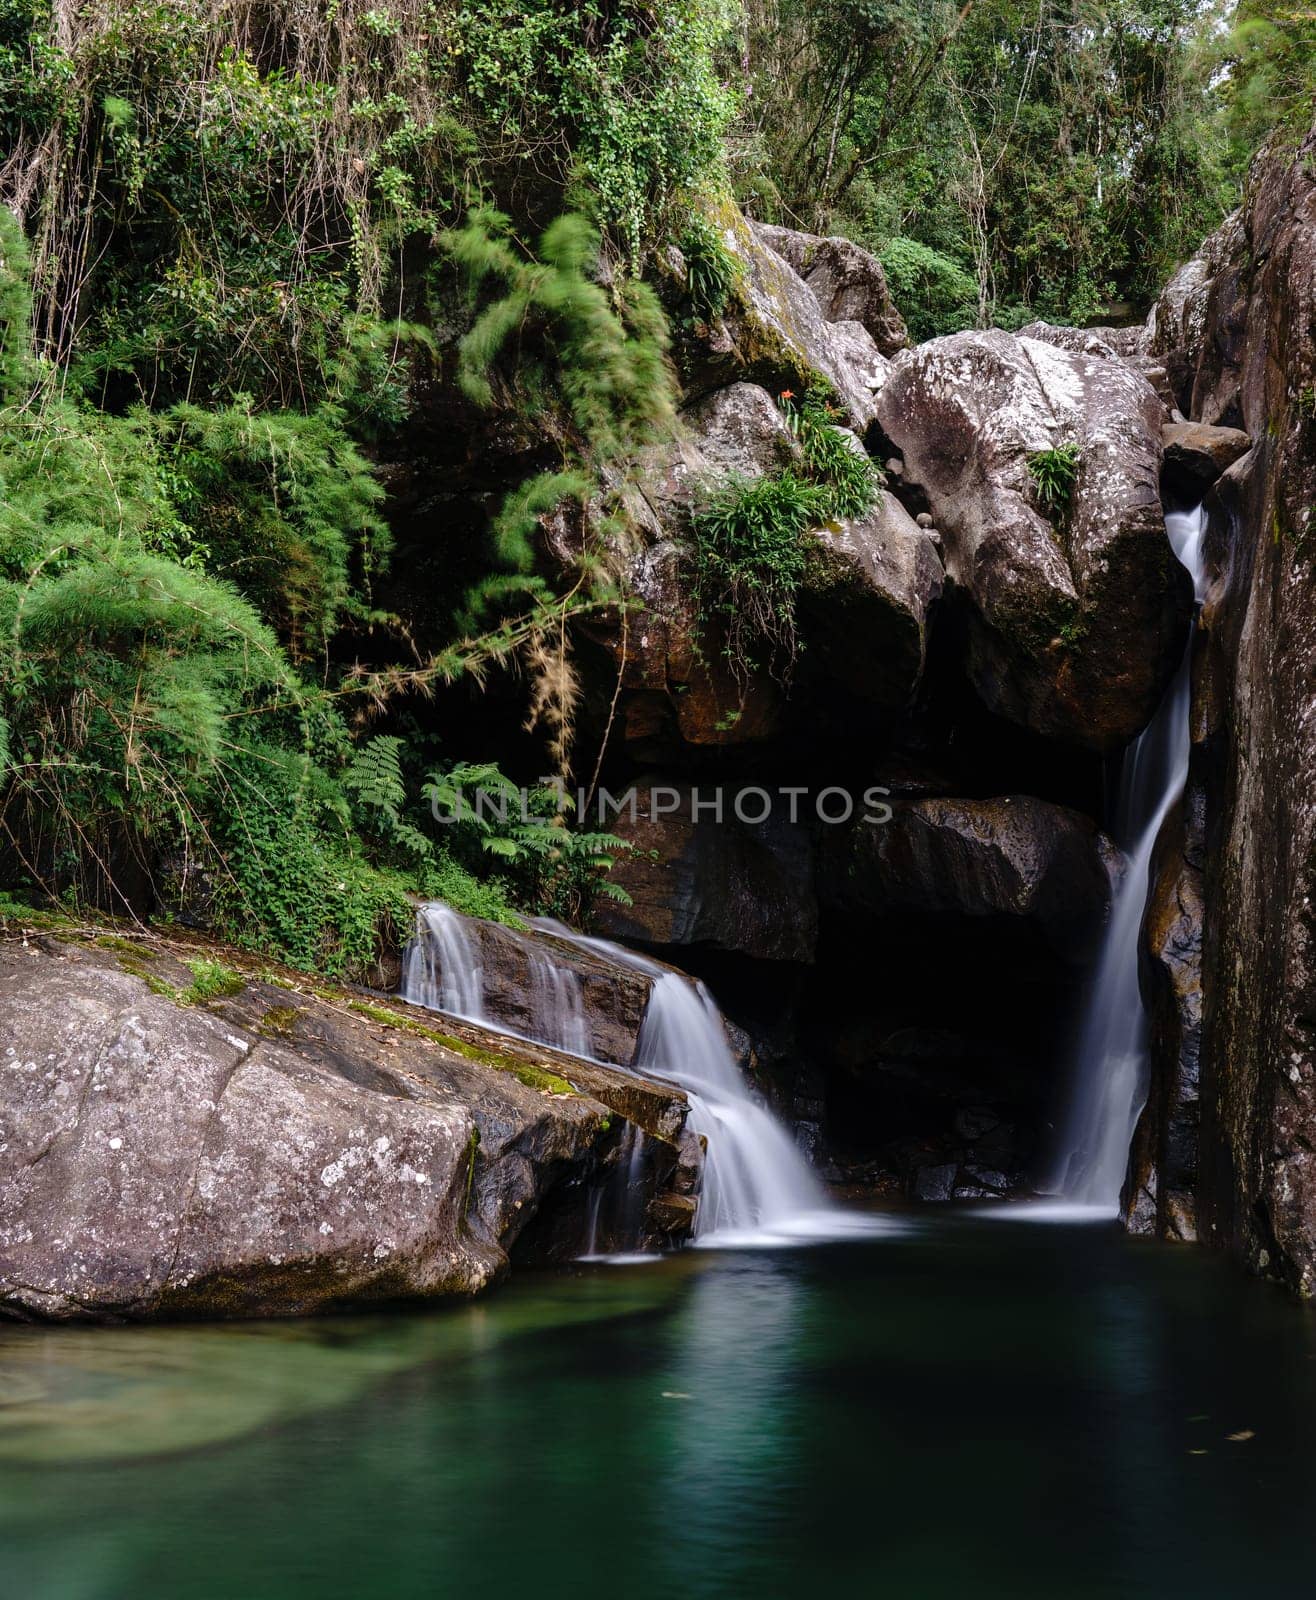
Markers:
point(550, 866)
point(1054, 474)
point(833, 458)
point(750, 558)
point(934, 293)
point(217, 190)
point(560, 332)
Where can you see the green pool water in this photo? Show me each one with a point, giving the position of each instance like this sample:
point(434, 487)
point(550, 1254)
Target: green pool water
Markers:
point(963, 1408)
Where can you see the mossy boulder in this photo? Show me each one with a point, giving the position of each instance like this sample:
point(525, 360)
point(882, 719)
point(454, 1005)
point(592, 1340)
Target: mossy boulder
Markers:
point(269, 1152)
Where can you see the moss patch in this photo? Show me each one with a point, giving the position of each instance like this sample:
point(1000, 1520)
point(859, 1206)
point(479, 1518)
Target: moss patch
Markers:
point(128, 947)
point(533, 1077)
point(278, 1022)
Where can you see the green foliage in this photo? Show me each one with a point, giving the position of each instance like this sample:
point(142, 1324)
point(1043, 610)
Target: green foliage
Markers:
point(750, 557)
point(554, 330)
point(549, 866)
point(217, 192)
point(934, 292)
point(282, 504)
point(712, 272)
point(750, 541)
point(15, 312)
point(632, 92)
point(1270, 56)
point(1055, 159)
point(1054, 474)
point(833, 458)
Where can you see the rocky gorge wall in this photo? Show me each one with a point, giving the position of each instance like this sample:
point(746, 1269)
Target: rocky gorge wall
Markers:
point(906, 993)
point(1236, 331)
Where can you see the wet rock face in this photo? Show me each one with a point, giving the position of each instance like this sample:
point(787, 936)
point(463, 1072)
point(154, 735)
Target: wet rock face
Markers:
point(1017, 862)
point(269, 1155)
point(512, 964)
point(695, 880)
point(1164, 1168)
point(1076, 615)
point(1257, 705)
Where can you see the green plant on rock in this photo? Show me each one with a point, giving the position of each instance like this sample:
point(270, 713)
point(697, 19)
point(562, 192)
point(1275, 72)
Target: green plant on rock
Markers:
point(750, 540)
point(211, 980)
point(833, 458)
point(750, 558)
point(1054, 474)
point(711, 271)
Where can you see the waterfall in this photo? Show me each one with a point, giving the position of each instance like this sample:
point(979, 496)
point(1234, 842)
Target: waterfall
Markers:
point(757, 1186)
point(757, 1183)
point(1111, 1062)
point(440, 969)
point(559, 1005)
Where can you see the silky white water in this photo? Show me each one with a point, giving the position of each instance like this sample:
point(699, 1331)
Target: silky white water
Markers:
point(1112, 1057)
point(757, 1186)
point(440, 969)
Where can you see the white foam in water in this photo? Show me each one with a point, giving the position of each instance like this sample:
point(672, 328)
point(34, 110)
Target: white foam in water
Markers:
point(758, 1189)
point(1112, 1059)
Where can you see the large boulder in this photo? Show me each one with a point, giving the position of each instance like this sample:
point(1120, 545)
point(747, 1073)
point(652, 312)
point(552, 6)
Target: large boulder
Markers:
point(1076, 616)
point(865, 606)
point(1196, 455)
point(848, 283)
point(1198, 327)
point(774, 332)
point(677, 683)
point(1016, 864)
point(699, 875)
point(871, 586)
point(267, 1152)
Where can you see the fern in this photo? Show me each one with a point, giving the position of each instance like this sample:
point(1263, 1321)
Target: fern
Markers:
point(1055, 474)
point(374, 779)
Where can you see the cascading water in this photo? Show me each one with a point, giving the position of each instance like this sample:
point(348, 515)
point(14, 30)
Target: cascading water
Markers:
point(559, 1006)
point(440, 969)
point(1111, 1061)
point(757, 1185)
point(758, 1188)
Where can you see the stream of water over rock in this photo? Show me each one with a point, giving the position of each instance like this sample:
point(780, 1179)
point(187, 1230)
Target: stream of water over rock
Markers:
point(1111, 1064)
point(757, 1186)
